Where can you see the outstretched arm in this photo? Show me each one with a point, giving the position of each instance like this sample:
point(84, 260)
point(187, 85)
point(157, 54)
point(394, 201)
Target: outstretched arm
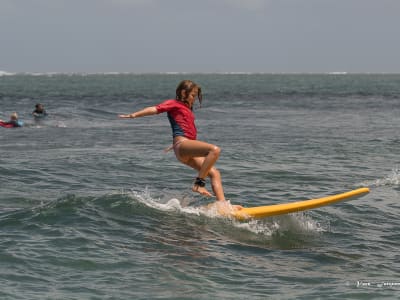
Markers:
point(148, 111)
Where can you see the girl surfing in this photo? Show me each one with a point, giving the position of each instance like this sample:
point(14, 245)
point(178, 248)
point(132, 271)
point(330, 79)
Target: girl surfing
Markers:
point(199, 155)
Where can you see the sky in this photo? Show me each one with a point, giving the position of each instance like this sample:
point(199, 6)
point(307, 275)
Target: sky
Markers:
point(205, 36)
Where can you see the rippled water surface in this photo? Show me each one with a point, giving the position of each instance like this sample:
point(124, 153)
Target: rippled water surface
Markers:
point(92, 208)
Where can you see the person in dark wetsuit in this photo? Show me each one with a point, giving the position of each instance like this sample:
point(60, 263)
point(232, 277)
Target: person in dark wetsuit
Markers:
point(39, 111)
point(199, 155)
point(14, 122)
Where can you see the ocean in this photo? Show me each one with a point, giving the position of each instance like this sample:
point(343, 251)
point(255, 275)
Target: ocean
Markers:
point(91, 207)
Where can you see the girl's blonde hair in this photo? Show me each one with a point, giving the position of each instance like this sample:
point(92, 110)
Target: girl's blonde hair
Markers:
point(14, 116)
point(188, 86)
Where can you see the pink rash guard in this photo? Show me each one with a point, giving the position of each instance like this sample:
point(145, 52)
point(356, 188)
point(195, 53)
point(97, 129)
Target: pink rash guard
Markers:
point(180, 117)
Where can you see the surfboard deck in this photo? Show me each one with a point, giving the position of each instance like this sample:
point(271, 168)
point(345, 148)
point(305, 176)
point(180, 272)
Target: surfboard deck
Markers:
point(260, 212)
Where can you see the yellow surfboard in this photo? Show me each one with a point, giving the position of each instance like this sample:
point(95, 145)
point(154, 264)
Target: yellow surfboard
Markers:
point(280, 209)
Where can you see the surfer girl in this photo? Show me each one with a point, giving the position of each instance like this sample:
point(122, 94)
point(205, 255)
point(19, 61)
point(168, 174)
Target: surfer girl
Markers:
point(13, 122)
point(199, 155)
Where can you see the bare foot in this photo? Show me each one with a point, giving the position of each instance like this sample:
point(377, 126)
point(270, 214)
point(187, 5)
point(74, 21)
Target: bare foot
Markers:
point(229, 206)
point(201, 190)
point(237, 207)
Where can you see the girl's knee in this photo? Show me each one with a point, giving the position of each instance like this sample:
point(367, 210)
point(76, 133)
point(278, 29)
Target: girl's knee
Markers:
point(216, 150)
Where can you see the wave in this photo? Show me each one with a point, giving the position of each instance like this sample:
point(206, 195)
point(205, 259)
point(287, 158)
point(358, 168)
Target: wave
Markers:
point(4, 73)
point(138, 209)
point(295, 223)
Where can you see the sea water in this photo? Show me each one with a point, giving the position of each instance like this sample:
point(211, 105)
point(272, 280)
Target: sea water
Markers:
point(92, 208)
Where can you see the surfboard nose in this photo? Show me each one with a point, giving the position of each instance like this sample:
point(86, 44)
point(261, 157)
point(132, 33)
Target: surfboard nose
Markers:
point(280, 209)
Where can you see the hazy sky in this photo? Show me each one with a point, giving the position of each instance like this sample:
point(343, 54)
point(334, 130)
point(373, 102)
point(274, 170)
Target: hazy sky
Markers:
point(200, 35)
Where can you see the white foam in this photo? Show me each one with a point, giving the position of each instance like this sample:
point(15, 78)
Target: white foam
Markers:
point(298, 222)
point(4, 73)
point(392, 179)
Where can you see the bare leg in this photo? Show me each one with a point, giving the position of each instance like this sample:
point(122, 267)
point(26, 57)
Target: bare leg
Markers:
point(202, 157)
point(216, 184)
point(216, 181)
point(215, 177)
point(192, 149)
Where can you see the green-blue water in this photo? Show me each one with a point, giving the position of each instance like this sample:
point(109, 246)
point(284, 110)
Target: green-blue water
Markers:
point(92, 208)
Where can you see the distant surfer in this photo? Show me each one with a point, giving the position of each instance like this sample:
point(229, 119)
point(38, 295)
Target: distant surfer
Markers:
point(13, 122)
point(199, 155)
point(39, 111)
